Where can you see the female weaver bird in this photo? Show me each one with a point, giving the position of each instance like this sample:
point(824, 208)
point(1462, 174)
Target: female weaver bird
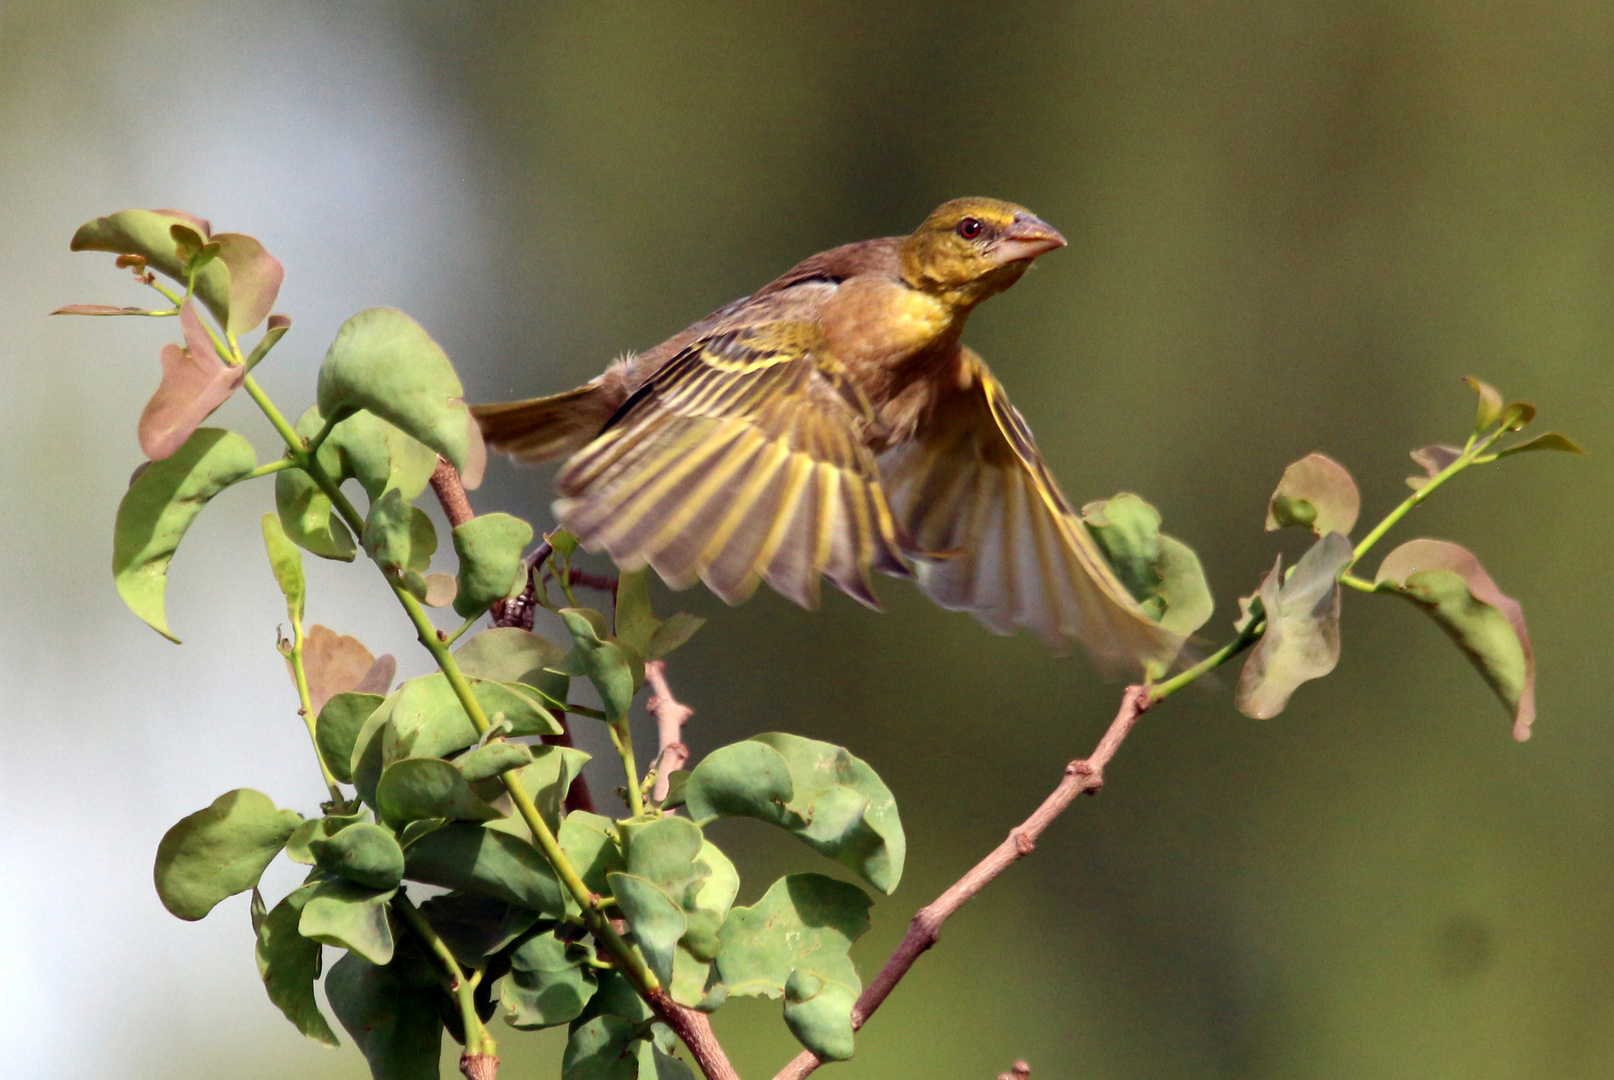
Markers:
point(831, 424)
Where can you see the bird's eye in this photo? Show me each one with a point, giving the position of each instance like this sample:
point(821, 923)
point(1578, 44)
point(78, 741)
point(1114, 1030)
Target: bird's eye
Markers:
point(970, 228)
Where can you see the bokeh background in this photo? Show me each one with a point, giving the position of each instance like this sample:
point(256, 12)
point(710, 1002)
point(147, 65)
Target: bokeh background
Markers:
point(1294, 226)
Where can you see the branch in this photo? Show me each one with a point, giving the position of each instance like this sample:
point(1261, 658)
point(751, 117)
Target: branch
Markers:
point(1081, 776)
point(695, 1029)
point(671, 715)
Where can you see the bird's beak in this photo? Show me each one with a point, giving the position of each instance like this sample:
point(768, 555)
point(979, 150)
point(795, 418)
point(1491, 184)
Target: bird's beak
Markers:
point(1025, 238)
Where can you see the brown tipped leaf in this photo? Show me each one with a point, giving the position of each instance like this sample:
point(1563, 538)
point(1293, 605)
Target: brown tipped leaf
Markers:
point(1449, 583)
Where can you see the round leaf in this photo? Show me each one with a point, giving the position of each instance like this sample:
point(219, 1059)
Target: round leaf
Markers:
point(420, 788)
point(1316, 493)
point(384, 362)
point(487, 862)
point(392, 1014)
point(362, 853)
point(220, 851)
point(489, 548)
point(289, 963)
point(350, 916)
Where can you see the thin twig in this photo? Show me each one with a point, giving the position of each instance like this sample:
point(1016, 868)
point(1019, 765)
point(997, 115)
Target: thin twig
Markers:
point(1081, 776)
point(671, 715)
point(695, 1030)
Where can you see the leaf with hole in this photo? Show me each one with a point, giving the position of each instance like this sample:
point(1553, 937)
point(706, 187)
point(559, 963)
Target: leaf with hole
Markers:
point(832, 801)
point(220, 851)
point(1301, 640)
point(160, 506)
point(793, 943)
point(1449, 583)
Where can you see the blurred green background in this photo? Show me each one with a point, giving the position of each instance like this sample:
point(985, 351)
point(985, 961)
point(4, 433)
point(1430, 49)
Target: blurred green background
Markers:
point(1294, 226)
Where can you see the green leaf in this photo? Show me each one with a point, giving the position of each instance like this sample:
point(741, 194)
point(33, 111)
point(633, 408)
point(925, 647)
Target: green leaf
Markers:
point(398, 536)
point(362, 853)
point(832, 801)
point(440, 590)
point(546, 781)
point(494, 759)
point(147, 233)
point(160, 506)
point(289, 963)
point(338, 727)
point(422, 787)
point(220, 851)
point(1449, 583)
point(392, 1014)
point(1162, 573)
point(380, 456)
point(794, 943)
point(593, 847)
point(601, 1049)
point(476, 927)
point(489, 548)
point(1550, 440)
point(309, 518)
point(509, 654)
point(350, 916)
point(664, 851)
point(382, 361)
point(287, 563)
point(1301, 640)
point(563, 543)
point(1315, 493)
point(635, 622)
point(549, 982)
point(606, 663)
point(272, 333)
point(1490, 404)
point(708, 903)
point(317, 829)
point(656, 919)
point(427, 720)
point(195, 382)
point(655, 1065)
point(672, 633)
point(1518, 415)
point(487, 862)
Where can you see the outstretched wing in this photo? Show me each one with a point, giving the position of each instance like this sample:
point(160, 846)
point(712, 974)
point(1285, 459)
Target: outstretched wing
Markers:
point(742, 459)
point(971, 487)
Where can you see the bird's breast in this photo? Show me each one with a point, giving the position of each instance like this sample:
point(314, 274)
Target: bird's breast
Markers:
point(876, 324)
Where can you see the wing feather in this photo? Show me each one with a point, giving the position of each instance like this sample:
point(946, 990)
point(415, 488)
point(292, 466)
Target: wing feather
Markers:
point(972, 489)
point(741, 460)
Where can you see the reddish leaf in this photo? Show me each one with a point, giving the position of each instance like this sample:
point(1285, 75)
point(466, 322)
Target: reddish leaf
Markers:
point(195, 382)
point(1318, 493)
point(1433, 460)
point(336, 664)
point(255, 277)
point(1449, 583)
point(97, 309)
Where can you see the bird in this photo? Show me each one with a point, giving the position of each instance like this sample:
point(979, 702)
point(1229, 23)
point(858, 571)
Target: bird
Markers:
point(832, 424)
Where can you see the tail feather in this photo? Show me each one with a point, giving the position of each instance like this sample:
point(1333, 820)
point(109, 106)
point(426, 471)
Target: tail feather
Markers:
point(539, 429)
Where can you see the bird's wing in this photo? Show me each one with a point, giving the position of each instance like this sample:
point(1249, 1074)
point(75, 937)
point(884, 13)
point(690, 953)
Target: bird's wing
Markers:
point(741, 459)
point(971, 487)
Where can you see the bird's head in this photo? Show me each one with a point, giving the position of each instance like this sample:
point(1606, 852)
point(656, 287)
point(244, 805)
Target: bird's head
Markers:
point(970, 249)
